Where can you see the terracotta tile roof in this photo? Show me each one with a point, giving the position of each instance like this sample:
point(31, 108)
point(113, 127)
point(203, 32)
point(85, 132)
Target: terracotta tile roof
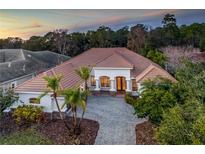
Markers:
point(152, 72)
point(95, 57)
point(115, 60)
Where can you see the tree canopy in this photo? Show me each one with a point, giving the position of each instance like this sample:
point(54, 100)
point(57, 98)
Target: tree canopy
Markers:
point(135, 38)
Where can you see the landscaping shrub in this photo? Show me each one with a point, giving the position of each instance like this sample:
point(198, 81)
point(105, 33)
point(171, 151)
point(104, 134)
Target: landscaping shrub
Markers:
point(7, 98)
point(183, 124)
point(28, 114)
point(156, 98)
point(130, 99)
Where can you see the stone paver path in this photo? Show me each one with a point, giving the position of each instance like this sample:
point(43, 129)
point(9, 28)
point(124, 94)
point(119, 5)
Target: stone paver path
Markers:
point(117, 122)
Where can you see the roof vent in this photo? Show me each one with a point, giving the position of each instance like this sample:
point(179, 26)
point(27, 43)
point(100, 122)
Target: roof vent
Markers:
point(9, 65)
point(24, 68)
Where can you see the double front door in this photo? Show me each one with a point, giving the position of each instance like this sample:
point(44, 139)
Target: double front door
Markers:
point(121, 83)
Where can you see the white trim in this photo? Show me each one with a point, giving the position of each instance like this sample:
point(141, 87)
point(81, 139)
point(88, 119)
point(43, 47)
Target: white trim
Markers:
point(112, 68)
point(29, 92)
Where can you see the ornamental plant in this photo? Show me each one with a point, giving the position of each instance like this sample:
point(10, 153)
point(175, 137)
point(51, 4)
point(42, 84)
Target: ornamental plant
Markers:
point(28, 114)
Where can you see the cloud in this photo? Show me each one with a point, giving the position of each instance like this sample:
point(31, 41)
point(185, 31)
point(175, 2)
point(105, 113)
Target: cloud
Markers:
point(31, 26)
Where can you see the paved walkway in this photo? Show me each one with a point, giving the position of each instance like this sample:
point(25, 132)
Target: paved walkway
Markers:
point(117, 122)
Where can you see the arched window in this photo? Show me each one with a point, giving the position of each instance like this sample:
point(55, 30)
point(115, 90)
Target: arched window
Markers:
point(105, 81)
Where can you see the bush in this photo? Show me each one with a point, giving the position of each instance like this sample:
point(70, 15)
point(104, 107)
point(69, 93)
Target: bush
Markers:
point(130, 99)
point(183, 124)
point(7, 98)
point(173, 129)
point(28, 114)
point(156, 98)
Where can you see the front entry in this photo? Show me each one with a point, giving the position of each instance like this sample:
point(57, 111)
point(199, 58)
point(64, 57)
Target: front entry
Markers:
point(121, 83)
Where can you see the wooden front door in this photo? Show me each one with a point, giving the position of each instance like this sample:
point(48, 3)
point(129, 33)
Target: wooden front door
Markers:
point(121, 83)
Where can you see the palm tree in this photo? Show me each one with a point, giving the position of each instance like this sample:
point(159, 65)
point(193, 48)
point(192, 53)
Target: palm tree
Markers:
point(84, 73)
point(75, 98)
point(53, 84)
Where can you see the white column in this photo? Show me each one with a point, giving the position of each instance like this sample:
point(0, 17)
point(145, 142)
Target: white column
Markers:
point(139, 87)
point(128, 85)
point(97, 88)
point(112, 88)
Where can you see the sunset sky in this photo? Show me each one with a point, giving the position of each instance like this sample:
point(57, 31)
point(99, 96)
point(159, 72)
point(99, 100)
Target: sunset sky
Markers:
point(26, 23)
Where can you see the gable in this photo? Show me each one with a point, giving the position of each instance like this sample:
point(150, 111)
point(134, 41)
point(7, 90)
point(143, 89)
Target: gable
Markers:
point(152, 72)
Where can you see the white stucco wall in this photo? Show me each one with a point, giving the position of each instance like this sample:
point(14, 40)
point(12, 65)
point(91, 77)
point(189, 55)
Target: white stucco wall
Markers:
point(45, 101)
point(111, 72)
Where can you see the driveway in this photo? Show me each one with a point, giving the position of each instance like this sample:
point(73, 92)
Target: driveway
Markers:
point(117, 122)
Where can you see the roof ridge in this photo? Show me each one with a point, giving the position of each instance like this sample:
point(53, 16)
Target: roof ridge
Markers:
point(104, 58)
point(123, 57)
point(147, 70)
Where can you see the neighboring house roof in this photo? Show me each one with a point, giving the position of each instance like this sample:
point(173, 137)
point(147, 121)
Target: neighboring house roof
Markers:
point(94, 57)
point(15, 63)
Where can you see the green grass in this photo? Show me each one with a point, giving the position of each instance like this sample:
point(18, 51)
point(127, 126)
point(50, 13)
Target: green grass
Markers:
point(27, 137)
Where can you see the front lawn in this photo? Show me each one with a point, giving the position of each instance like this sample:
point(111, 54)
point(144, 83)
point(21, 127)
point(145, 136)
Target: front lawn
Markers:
point(26, 137)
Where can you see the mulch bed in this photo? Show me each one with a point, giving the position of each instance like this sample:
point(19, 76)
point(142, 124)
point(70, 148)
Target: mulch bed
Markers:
point(145, 134)
point(55, 130)
point(59, 134)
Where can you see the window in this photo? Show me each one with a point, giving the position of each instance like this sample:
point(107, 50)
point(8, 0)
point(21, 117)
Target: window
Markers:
point(134, 85)
point(34, 101)
point(13, 85)
point(105, 81)
point(93, 81)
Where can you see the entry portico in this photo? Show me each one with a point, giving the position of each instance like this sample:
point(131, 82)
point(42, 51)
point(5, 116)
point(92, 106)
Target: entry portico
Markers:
point(111, 79)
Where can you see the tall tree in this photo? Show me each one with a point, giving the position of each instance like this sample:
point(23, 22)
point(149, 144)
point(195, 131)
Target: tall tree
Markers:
point(169, 20)
point(84, 73)
point(58, 40)
point(53, 84)
point(35, 43)
point(171, 30)
point(137, 37)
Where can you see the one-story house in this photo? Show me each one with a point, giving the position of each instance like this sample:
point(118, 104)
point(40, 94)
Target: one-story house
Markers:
point(112, 69)
point(18, 65)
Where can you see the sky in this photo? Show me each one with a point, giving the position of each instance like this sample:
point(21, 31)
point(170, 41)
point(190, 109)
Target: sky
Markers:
point(27, 23)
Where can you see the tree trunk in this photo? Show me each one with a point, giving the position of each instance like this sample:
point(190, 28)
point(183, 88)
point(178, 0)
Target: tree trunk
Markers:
point(59, 110)
point(86, 87)
point(60, 113)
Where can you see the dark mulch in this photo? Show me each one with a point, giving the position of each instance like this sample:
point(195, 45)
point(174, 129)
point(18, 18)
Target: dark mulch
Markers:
point(145, 134)
point(59, 134)
point(55, 130)
point(7, 124)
